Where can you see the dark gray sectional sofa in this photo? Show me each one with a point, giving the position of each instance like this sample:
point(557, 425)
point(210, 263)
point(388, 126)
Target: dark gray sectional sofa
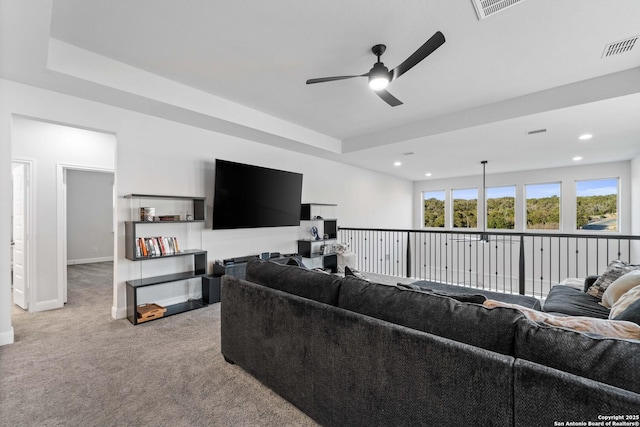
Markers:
point(349, 352)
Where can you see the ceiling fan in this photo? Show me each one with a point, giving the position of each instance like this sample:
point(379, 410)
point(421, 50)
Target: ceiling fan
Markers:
point(380, 76)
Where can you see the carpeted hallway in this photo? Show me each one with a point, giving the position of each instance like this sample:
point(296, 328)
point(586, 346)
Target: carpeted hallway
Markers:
point(77, 366)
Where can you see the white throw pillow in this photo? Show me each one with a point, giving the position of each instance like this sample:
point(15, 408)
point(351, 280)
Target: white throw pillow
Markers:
point(624, 301)
point(619, 287)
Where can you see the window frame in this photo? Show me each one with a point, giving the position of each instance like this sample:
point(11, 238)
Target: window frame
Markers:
point(444, 208)
point(452, 210)
point(526, 214)
point(575, 217)
point(515, 210)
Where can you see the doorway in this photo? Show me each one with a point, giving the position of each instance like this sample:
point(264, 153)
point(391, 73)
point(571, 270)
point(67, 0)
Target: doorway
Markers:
point(53, 148)
point(88, 218)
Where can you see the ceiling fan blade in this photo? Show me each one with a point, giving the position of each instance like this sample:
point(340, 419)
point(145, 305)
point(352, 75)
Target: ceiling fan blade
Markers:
point(330, 79)
point(388, 98)
point(423, 51)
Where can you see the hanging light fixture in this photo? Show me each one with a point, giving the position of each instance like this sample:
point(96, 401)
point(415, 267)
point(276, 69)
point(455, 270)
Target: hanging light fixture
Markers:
point(378, 76)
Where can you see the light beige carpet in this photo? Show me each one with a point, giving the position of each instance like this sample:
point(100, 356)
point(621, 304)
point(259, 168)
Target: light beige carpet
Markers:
point(77, 366)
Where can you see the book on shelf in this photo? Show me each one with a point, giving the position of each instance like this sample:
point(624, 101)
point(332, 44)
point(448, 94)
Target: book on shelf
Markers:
point(156, 246)
point(168, 217)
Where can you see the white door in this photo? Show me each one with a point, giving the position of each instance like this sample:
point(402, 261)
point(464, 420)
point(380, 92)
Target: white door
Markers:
point(19, 235)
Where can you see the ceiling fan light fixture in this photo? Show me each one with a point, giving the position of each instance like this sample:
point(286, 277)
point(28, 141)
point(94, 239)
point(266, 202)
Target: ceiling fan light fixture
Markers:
point(379, 77)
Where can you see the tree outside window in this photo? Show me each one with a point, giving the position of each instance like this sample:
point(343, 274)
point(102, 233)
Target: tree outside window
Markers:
point(543, 206)
point(433, 208)
point(597, 204)
point(465, 208)
point(501, 207)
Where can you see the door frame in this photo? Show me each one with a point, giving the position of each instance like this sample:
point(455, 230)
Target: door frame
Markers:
point(61, 204)
point(29, 254)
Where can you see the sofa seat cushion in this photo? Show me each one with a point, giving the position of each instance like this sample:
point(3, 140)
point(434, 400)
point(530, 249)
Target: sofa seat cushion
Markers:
point(573, 302)
point(468, 323)
point(608, 360)
point(318, 286)
point(522, 300)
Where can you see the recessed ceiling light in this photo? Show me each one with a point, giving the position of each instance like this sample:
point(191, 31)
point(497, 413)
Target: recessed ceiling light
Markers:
point(585, 137)
point(577, 158)
point(427, 174)
point(397, 164)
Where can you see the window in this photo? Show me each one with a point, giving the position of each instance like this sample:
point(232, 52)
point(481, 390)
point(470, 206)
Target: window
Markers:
point(465, 208)
point(543, 206)
point(597, 204)
point(501, 207)
point(433, 208)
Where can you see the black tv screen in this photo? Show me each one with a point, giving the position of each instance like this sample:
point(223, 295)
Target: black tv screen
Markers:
point(249, 196)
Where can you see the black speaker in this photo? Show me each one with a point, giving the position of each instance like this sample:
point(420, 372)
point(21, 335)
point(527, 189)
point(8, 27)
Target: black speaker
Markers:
point(210, 289)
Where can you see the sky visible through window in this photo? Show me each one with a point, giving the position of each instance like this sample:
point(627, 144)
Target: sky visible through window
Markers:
point(466, 194)
point(499, 192)
point(597, 187)
point(438, 195)
point(538, 191)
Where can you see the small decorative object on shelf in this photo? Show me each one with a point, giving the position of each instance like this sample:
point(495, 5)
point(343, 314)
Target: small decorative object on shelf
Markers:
point(314, 233)
point(147, 214)
point(189, 217)
point(149, 311)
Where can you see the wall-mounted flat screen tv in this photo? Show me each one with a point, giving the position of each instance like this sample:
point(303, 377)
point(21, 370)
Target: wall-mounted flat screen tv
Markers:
point(248, 196)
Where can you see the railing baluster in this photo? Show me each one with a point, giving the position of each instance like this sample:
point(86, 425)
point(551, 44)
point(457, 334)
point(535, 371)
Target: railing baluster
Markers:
point(521, 276)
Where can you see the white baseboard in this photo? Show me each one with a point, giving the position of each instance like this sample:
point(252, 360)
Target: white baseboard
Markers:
point(7, 337)
point(89, 260)
point(118, 313)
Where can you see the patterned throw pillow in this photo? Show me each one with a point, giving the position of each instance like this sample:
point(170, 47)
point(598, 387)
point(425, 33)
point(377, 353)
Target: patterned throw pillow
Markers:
point(615, 269)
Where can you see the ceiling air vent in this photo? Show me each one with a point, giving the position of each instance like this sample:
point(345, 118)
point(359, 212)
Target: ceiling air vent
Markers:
point(622, 46)
point(486, 8)
point(533, 132)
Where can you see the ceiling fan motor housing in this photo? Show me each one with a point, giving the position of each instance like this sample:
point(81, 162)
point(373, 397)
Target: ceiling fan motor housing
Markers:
point(379, 76)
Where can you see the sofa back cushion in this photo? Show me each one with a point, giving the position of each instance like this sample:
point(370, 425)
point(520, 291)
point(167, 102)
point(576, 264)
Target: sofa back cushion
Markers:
point(491, 329)
point(611, 361)
point(315, 285)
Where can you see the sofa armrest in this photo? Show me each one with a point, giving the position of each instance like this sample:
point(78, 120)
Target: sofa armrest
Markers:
point(590, 280)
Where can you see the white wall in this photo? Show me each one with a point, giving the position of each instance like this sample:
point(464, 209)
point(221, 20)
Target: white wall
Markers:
point(157, 156)
point(50, 146)
point(566, 176)
point(6, 329)
point(89, 216)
